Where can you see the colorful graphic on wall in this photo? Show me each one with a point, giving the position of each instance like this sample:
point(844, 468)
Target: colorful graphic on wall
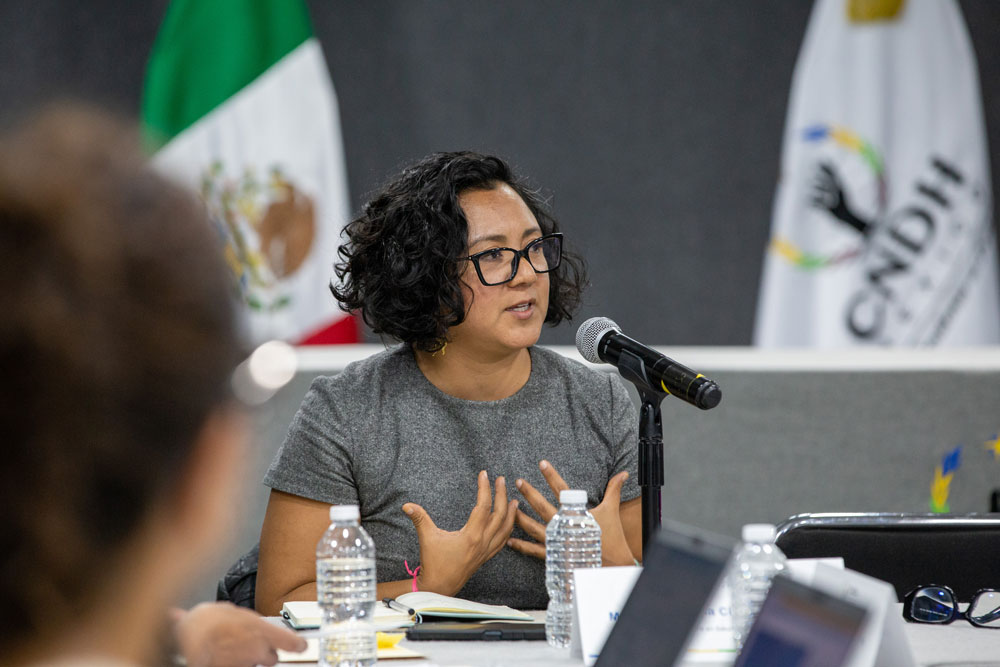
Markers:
point(993, 445)
point(943, 474)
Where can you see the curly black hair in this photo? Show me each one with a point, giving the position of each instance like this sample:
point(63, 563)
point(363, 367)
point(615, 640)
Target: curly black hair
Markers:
point(399, 265)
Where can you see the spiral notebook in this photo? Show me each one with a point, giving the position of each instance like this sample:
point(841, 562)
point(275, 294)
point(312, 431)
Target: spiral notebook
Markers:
point(305, 614)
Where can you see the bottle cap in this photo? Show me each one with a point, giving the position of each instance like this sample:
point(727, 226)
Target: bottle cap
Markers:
point(344, 513)
point(761, 533)
point(572, 497)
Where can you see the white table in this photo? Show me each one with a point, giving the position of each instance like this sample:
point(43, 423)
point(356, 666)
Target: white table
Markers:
point(956, 644)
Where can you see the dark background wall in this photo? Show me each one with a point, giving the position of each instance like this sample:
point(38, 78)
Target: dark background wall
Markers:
point(654, 127)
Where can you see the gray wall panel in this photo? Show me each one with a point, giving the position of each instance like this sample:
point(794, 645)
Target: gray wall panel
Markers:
point(784, 443)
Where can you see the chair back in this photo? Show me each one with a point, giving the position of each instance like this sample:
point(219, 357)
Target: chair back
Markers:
point(239, 585)
point(906, 550)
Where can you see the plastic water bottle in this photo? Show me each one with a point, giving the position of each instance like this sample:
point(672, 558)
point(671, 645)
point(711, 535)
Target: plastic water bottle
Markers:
point(756, 563)
point(572, 541)
point(345, 591)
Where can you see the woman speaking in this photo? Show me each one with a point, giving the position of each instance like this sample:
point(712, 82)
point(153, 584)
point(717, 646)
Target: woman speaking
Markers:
point(461, 263)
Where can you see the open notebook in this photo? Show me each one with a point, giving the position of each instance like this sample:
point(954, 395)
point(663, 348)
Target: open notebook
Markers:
point(303, 615)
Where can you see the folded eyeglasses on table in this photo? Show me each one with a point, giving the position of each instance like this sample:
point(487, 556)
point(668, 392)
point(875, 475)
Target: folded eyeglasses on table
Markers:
point(938, 604)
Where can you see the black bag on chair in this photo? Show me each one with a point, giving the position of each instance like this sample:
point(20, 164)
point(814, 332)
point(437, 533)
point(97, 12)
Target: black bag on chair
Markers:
point(906, 550)
point(239, 585)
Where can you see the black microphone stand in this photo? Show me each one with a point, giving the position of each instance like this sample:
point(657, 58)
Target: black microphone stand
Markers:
point(632, 368)
point(650, 461)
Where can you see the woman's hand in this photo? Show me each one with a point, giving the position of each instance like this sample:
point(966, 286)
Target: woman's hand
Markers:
point(614, 546)
point(448, 559)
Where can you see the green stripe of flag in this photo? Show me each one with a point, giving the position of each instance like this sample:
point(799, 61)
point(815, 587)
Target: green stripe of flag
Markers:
point(206, 51)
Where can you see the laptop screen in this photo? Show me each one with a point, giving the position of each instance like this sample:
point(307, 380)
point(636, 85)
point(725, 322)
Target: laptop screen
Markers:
point(799, 626)
point(681, 568)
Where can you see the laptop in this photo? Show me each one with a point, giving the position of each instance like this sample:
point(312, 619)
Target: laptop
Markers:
point(682, 566)
point(883, 642)
point(802, 626)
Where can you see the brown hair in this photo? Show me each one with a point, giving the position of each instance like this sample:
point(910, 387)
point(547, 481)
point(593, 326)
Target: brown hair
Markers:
point(117, 338)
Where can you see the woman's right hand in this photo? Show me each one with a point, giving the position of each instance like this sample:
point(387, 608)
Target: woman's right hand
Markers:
point(614, 543)
point(449, 558)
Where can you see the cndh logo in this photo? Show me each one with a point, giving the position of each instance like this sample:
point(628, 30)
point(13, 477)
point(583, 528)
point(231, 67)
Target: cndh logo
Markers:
point(828, 194)
point(894, 248)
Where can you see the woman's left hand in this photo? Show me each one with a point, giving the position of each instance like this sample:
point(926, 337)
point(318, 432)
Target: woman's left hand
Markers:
point(614, 546)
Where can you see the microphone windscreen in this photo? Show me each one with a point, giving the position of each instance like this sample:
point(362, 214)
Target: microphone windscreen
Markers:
point(590, 334)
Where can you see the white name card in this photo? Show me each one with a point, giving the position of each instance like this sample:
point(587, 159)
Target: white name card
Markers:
point(600, 594)
point(713, 639)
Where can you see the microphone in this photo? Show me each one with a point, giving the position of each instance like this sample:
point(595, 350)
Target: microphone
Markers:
point(599, 339)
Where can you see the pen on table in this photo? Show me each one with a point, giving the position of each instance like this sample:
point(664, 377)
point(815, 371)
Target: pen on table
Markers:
point(392, 604)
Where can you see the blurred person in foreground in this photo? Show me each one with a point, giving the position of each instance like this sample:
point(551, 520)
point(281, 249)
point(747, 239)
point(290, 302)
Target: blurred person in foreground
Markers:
point(123, 445)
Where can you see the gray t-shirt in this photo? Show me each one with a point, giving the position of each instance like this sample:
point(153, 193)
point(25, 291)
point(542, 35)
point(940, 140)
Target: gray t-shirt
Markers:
point(379, 434)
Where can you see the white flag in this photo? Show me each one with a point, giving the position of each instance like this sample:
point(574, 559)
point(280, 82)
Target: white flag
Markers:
point(239, 92)
point(882, 231)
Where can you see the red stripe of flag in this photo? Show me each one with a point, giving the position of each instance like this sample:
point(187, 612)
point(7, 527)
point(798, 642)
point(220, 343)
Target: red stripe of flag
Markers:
point(343, 331)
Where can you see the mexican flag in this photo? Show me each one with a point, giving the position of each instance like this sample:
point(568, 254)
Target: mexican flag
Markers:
point(882, 232)
point(239, 106)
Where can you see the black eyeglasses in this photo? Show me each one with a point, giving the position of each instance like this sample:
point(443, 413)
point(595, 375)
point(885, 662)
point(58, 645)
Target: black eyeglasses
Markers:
point(497, 266)
point(938, 604)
